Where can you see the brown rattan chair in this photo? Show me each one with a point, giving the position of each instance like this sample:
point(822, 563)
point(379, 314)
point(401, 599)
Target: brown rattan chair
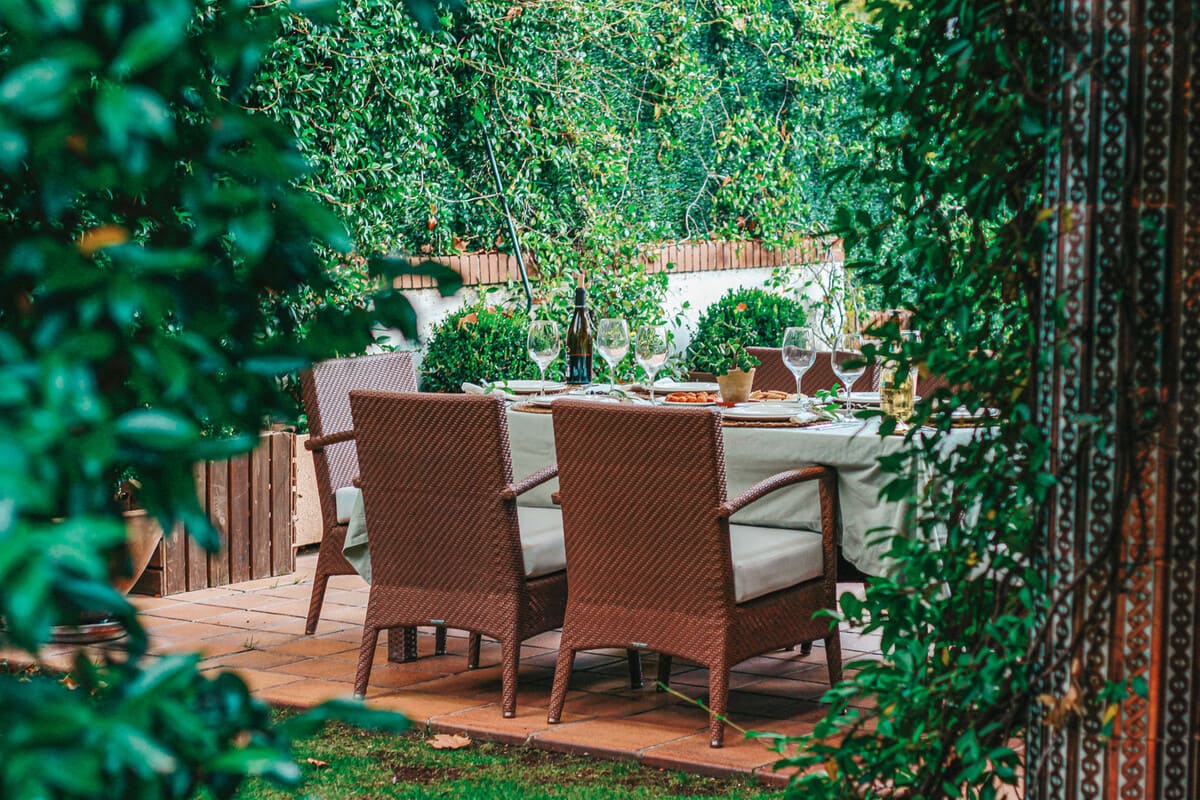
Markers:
point(445, 543)
point(326, 392)
point(772, 373)
point(650, 557)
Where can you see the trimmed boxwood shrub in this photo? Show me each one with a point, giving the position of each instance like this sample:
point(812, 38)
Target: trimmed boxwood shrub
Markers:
point(477, 344)
point(758, 316)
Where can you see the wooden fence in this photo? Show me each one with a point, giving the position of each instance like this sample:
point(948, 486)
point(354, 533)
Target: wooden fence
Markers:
point(251, 501)
point(492, 268)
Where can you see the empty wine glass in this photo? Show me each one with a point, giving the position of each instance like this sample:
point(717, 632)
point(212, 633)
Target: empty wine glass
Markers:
point(848, 363)
point(798, 355)
point(650, 350)
point(544, 343)
point(612, 340)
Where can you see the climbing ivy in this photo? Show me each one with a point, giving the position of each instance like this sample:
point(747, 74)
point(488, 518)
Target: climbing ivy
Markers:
point(614, 122)
point(960, 150)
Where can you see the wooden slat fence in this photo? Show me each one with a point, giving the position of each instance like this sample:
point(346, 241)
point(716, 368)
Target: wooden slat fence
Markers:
point(251, 501)
point(492, 268)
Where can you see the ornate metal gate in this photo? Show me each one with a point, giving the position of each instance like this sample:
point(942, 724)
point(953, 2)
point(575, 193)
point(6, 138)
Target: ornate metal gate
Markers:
point(1120, 403)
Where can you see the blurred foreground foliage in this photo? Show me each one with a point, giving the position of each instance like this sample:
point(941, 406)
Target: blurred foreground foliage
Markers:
point(159, 273)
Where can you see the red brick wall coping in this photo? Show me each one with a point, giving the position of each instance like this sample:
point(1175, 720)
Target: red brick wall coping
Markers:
point(492, 268)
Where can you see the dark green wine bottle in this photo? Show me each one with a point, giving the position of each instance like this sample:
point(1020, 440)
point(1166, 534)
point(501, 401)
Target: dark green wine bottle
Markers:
point(579, 341)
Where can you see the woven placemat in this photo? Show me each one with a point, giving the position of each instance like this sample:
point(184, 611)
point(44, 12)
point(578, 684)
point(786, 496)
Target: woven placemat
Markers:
point(531, 408)
point(739, 423)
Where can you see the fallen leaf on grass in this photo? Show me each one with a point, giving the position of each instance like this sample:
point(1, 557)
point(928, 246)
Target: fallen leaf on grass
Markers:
point(316, 762)
point(447, 741)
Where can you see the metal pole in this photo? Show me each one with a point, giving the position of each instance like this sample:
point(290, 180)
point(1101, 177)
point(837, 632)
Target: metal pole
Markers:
point(508, 217)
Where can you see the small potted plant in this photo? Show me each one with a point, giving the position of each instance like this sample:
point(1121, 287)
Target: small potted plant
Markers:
point(728, 359)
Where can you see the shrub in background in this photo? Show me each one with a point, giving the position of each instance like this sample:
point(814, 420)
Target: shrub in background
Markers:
point(754, 317)
point(480, 343)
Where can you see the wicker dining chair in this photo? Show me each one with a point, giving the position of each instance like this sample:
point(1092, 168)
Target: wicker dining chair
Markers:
point(326, 393)
point(446, 544)
point(772, 373)
point(654, 563)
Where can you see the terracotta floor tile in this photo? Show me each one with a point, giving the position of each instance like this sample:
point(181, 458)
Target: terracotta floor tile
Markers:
point(258, 680)
point(202, 595)
point(692, 754)
point(323, 668)
point(252, 659)
point(421, 707)
point(246, 640)
point(192, 630)
point(305, 693)
point(186, 612)
point(253, 620)
point(489, 723)
point(313, 647)
point(290, 591)
point(613, 738)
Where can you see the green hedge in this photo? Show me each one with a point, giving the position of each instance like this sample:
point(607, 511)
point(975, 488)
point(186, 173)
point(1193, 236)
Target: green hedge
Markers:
point(479, 344)
point(760, 317)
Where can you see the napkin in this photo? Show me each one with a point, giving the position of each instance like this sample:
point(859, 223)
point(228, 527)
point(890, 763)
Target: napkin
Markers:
point(475, 388)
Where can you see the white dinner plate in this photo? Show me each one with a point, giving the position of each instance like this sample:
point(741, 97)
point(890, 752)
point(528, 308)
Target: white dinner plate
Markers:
point(762, 412)
point(666, 386)
point(530, 387)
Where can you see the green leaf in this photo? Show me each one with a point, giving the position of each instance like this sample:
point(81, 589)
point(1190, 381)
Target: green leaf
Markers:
point(157, 429)
point(38, 89)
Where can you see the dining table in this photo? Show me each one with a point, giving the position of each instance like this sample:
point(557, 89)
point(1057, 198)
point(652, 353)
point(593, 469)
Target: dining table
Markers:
point(868, 520)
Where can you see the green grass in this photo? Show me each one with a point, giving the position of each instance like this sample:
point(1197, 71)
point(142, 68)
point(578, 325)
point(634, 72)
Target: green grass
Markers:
point(366, 765)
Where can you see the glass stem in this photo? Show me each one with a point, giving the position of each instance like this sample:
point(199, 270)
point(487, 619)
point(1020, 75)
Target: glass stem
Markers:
point(799, 393)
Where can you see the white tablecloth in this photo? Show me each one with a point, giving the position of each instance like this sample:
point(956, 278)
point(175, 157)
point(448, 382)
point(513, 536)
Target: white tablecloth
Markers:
point(751, 454)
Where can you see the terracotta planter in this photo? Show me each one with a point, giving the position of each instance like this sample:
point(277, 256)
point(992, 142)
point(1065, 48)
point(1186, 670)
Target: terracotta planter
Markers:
point(735, 385)
point(142, 537)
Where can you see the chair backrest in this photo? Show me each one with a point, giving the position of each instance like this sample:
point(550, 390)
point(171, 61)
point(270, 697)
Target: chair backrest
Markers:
point(432, 471)
point(326, 391)
point(640, 489)
point(772, 373)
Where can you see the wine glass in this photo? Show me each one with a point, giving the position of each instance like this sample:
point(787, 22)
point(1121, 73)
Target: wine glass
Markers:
point(799, 354)
point(544, 343)
point(650, 350)
point(848, 362)
point(612, 339)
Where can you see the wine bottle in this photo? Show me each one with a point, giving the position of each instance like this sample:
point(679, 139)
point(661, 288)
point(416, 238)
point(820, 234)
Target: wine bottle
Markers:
point(579, 341)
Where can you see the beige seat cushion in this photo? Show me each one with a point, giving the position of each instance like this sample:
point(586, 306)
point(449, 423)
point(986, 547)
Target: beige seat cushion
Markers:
point(766, 560)
point(345, 498)
point(542, 545)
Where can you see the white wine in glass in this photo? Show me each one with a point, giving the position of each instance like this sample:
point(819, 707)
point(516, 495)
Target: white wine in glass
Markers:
point(612, 340)
point(650, 350)
point(544, 343)
point(799, 353)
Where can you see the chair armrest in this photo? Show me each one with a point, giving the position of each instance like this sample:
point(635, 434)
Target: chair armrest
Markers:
point(777, 481)
point(511, 491)
point(315, 443)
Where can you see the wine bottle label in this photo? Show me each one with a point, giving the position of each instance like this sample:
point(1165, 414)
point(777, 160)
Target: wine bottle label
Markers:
point(579, 368)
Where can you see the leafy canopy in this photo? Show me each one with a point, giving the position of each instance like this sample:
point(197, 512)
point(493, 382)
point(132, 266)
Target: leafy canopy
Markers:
point(153, 244)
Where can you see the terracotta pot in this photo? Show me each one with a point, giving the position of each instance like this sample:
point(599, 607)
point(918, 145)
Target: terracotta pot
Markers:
point(735, 385)
point(142, 537)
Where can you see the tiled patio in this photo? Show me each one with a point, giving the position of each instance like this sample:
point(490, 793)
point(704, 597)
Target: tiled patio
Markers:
point(257, 629)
